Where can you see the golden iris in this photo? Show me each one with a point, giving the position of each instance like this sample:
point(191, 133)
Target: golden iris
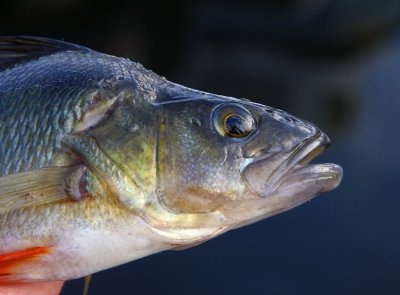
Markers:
point(233, 121)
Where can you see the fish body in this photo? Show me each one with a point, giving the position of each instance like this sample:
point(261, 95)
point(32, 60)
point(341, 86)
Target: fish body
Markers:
point(104, 162)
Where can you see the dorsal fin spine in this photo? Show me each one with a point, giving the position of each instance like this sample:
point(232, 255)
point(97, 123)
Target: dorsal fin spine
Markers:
point(20, 49)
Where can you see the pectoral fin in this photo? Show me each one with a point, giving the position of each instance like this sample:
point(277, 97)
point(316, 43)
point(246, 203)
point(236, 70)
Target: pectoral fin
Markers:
point(34, 188)
point(10, 261)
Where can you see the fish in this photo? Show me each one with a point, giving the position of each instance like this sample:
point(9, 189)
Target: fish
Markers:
point(104, 162)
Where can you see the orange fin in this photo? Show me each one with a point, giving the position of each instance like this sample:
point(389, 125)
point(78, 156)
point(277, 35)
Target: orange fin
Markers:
point(9, 261)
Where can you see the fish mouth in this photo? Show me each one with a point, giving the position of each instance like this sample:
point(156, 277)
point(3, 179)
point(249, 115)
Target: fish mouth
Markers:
point(292, 173)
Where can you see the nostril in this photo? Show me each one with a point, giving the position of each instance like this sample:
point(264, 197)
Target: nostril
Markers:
point(268, 110)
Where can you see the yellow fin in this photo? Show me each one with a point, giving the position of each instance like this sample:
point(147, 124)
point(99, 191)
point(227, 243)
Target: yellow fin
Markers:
point(33, 188)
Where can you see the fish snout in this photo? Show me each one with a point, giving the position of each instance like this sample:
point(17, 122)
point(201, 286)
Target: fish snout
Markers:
point(282, 143)
point(279, 132)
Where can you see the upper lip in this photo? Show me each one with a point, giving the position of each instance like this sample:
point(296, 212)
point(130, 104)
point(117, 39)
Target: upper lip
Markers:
point(309, 149)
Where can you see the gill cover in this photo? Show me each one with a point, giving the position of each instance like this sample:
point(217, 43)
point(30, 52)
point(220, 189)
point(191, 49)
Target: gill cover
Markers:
point(124, 150)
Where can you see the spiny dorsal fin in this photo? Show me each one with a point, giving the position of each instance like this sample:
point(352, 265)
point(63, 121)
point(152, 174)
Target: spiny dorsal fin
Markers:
point(20, 49)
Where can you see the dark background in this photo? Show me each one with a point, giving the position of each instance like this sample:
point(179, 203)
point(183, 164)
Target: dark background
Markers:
point(335, 63)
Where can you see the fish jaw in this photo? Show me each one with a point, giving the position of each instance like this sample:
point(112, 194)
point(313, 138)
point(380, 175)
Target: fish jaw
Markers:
point(267, 173)
point(286, 197)
point(293, 182)
point(301, 186)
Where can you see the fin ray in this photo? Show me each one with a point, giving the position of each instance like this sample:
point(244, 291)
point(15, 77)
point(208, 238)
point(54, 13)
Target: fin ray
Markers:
point(20, 49)
point(9, 261)
point(34, 187)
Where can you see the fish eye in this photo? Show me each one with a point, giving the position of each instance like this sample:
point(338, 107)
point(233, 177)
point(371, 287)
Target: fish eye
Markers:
point(233, 121)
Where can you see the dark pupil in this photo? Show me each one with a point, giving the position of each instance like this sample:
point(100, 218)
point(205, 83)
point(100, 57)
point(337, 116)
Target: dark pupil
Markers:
point(237, 126)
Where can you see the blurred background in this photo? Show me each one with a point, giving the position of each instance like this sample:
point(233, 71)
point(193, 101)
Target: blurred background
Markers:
point(333, 62)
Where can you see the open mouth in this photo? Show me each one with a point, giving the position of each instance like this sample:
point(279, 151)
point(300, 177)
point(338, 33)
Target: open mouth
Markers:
point(307, 151)
point(300, 173)
point(267, 175)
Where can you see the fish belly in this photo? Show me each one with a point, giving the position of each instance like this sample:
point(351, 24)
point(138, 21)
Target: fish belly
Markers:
point(80, 239)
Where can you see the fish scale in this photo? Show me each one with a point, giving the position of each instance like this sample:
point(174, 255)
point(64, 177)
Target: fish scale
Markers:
point(32, 95)
point(104, 162)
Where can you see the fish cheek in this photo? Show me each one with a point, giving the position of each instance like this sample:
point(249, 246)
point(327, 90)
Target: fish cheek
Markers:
point(197, 174)
point(194, 200)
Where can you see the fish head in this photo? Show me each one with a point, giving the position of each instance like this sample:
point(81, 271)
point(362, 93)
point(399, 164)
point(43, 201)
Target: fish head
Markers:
point(243, 160)
point(193, 165)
